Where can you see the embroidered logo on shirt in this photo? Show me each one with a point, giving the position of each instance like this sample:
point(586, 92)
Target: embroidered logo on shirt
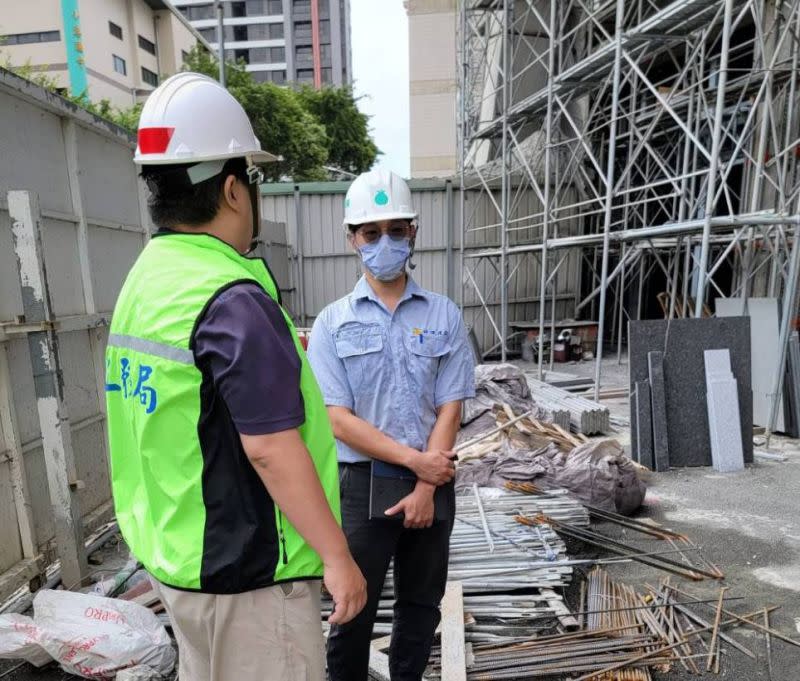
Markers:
point(430, 333)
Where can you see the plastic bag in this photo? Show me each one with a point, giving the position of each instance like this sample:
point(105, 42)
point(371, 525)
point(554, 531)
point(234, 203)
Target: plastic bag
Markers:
point(20, 640)
point(96, 637)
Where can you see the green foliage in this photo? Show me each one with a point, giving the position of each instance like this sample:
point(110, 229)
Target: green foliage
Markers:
point(350, 146)
point(308, 128)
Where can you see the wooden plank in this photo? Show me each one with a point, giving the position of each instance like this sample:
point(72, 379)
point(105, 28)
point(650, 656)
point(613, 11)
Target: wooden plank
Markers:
point(454, 660)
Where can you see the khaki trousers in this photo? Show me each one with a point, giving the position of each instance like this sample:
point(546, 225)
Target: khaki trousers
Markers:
point(272, 634)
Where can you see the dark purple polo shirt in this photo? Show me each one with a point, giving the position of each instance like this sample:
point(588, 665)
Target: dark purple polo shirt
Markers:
point(244, 342)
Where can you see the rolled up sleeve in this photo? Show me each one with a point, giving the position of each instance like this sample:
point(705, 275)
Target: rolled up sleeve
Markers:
point(456, 377)
point(329, 370)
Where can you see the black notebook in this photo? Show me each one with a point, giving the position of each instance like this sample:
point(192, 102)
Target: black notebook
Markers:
point(389, 484)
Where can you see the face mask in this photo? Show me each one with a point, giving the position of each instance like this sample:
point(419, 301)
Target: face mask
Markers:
point(386, 258)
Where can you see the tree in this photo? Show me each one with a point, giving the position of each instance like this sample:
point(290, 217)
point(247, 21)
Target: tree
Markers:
point(350, 147)
point(308, 128)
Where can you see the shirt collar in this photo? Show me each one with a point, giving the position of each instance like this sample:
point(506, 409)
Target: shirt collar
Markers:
point(364, 291)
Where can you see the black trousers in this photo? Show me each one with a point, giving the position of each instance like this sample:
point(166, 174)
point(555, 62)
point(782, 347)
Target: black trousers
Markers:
point(420, 576)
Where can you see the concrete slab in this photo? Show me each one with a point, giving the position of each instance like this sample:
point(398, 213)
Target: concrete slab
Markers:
point(658, 402)
point(683, 342)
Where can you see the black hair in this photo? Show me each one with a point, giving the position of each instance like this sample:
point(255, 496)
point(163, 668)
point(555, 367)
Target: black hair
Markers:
point(174, 200)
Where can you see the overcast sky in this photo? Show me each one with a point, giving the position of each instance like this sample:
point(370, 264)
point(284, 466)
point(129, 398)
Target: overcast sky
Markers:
point(380, 71)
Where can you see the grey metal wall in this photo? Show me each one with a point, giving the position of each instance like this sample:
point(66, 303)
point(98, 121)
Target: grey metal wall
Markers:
point(92, 230)
point(324, 268)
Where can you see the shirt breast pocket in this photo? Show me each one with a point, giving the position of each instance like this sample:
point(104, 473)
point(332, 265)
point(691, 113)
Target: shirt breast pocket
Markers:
point(424, 359)
point(360, 347)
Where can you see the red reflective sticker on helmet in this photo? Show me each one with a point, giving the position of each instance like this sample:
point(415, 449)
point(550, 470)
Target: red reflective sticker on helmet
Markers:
point(154, 140)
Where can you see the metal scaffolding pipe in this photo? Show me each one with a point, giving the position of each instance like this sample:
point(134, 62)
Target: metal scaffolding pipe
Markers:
point(716, 142)
point(547, 188)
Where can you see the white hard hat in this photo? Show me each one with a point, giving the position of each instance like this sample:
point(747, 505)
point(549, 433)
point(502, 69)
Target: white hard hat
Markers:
point(378, 195)
point(191, 118)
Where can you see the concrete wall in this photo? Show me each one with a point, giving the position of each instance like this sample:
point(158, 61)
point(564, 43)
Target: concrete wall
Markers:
point(92, 230)
point(174, 38)
point(432, 87)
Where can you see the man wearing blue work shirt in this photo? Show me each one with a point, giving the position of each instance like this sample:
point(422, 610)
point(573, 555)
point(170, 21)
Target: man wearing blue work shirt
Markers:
point(394, 365)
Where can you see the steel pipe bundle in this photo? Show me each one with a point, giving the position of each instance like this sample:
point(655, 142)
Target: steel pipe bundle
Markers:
point(585, 416)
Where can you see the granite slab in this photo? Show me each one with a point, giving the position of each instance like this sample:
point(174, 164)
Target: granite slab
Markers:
point(683, 342)
point(643, 432)
point(658, 401)
point(723, 413)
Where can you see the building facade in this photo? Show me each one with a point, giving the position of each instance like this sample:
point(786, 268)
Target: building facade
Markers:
point(432, 87)
point(305, 41)
point(109, 49)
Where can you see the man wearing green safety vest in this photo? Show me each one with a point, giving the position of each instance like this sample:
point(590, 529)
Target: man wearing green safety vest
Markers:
point(223, 462)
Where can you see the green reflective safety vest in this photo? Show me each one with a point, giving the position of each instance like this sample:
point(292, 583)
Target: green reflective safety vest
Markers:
point(189, 504)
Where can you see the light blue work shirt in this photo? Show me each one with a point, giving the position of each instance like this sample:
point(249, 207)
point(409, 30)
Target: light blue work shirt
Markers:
point(392, 370)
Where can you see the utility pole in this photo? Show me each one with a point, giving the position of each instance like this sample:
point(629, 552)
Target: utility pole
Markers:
point(221, 41)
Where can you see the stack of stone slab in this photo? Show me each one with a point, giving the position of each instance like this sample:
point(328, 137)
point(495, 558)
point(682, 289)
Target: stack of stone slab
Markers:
point(669, 410)
point(723, 412)
point(585, 416)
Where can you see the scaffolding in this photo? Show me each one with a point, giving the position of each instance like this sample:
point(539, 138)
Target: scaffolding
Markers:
point(660, 141)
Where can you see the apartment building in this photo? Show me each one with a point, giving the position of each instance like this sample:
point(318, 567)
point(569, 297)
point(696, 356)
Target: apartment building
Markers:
point(305, 41)
point(432, 87)
point(110, 49)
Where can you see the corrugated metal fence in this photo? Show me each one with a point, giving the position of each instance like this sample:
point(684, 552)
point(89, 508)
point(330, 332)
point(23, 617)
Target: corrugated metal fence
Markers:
point(324, 267)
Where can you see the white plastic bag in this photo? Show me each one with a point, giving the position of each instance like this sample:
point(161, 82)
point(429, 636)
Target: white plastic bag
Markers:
point(96, 637)
point(20, 640)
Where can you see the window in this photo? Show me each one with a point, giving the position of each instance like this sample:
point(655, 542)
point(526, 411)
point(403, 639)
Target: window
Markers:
point(325, 30)
point(275, 31)
point(305, 75)
point(304, 56)
point(200, 12)
point(259, 55)
point(302, 30)
point(258, 31)
point(260, 76)
point(238, 9)
point(242, 55)
point(115, 30)
point(301, 6)
point(327, 76)
point(275, 6)
point(146, 45)
point(278, 77)
point(209, 34)
point(119, 65)
point(277, 54)
point(149, 77)
point(28, 38)
point(240, 33)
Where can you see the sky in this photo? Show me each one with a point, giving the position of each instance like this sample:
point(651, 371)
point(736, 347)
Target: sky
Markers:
point(380, 73)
